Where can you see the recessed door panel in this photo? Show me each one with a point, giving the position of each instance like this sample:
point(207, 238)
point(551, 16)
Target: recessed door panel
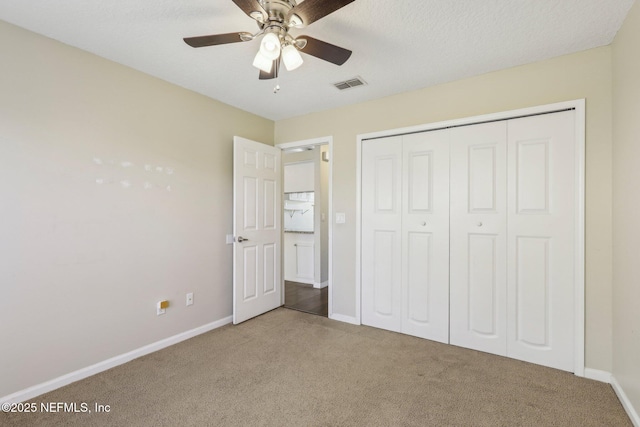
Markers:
point(385, 175)
point(420, 181)
point(269, 270)
point(384, 268)
point(482, 178)
point(532, 176)
point(269, 162)
point(532, 291)
point(419, 276)
point(482, 290)
point(270, 207)
point(250, 211)
point(250, 276)
point(250, 158)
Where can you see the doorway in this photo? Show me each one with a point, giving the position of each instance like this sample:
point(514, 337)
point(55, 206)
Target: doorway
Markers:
point(306, 225)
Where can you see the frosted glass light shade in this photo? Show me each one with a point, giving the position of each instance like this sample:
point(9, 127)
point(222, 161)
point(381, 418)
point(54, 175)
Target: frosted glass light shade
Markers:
point(262, 62)
point(270, 46)
point(291, 57)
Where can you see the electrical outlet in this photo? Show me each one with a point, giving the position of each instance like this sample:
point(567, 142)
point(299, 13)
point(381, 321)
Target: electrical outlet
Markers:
point(190, 298)
point(161, 307)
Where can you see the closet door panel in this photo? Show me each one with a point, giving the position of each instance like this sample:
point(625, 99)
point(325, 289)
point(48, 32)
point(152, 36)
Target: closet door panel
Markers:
point(541, 218)
point(478, 237)
point(382, 233)
point(425, 235)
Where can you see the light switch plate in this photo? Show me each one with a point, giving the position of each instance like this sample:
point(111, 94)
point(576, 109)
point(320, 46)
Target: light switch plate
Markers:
point(341, 218)
point(229, 239)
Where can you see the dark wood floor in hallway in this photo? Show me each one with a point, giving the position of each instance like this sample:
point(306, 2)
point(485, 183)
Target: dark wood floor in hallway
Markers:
point(303, 297)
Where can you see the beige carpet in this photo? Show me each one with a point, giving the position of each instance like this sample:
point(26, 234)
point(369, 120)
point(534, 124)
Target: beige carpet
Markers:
point(288, 368)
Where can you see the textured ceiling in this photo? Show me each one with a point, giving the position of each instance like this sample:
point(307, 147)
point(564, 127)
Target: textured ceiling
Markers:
point(397, 45)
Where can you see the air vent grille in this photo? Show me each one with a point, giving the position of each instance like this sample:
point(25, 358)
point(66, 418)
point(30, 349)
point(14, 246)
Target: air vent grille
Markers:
point(348, 84)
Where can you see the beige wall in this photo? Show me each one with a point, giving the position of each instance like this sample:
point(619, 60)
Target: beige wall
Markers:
point(582, 75)
point(83, 264)
point(626, 205)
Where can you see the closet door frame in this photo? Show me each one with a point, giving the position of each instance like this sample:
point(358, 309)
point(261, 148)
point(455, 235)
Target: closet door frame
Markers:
point(579, 264)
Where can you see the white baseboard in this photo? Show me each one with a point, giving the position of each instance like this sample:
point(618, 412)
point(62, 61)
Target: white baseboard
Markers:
point(343, 318)
point(598, 375)
point(626, 403)
point(318, 285)
point(37, 390)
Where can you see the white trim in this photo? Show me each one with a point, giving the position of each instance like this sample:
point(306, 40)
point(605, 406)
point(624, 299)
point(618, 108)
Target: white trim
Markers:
point(325, 140)
point(579, 106)
point(503, 115)
point(45, 387)
point(296, 163)
point(359, 229)
point(305, 143)
point(626, 403)
point(579, 244)
point(322, 285)
point(346, 319)
point(597, 375)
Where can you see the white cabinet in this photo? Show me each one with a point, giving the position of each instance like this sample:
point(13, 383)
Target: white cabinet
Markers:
point(299, 257)
point(468, 236)
point(299, 177)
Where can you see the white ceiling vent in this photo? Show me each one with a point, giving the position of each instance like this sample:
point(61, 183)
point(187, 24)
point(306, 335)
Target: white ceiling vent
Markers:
point(348, 84)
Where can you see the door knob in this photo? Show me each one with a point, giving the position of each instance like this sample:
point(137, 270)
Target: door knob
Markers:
point(424, 223)
point(479, 224)
point(242, 239)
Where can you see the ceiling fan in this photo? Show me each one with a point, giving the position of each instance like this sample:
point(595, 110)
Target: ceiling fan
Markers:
point(275, 18)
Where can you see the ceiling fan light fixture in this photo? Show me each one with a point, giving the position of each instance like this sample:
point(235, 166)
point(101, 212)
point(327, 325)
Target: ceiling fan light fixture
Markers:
point(291, 57)
point(262, 62)
point(270, 46)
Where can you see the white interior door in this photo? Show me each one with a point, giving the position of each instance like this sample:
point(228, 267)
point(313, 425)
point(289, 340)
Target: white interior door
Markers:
point(257, 223)
point(541, 225)
point(425, 235)
point(382, 233)
point(479, 237)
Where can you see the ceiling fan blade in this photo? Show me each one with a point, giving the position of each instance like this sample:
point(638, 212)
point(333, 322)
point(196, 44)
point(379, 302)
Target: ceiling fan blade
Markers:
point(324, 50)
point(312, 10)
point(274, 71)
point(216, 39)
point(249, 6)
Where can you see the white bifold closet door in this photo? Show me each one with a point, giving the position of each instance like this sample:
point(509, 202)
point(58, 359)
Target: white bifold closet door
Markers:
point(405, 234)
point(541, 231)
point(479, 237)
point(468, 236)
point(513, 223)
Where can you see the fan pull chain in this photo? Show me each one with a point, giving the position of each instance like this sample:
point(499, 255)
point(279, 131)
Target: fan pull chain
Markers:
point(276, 89)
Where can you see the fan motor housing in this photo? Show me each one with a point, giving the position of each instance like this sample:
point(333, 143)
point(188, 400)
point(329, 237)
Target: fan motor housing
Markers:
point(277, 9)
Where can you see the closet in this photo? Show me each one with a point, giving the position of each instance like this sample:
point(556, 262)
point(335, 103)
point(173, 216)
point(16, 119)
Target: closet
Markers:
point(468, 236)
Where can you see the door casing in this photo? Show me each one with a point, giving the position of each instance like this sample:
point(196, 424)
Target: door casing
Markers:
point(325, 140)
